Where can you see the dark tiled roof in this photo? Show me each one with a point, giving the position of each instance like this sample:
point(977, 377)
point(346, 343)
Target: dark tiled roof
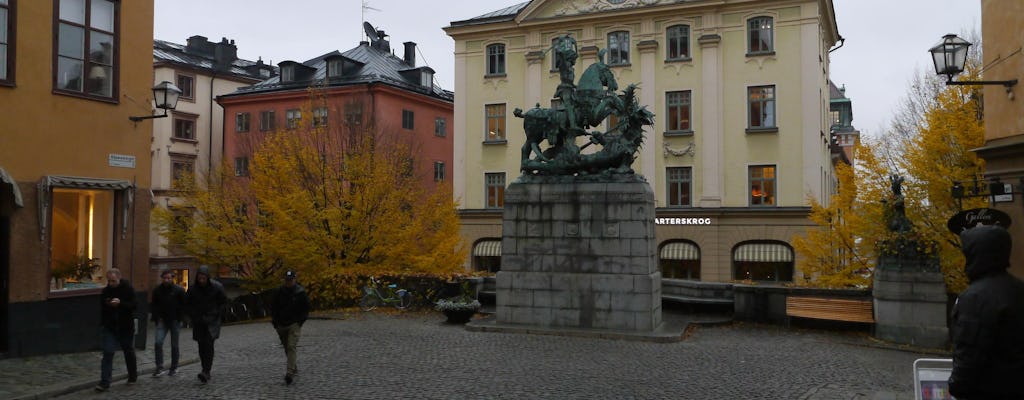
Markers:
point(377, 67)
point(164, 51)
point(833, 92)
point(504, 14)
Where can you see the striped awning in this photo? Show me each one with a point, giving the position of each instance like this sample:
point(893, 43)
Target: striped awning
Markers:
point(488, 248)
point(6, 179)
point(763, 252)
point(680, 251)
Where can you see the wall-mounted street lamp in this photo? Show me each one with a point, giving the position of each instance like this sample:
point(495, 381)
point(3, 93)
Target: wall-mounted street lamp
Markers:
point(165, 95)
point(949, 57)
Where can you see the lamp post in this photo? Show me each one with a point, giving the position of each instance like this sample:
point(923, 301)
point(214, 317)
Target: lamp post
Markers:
point(949, 56)
point(165, 95)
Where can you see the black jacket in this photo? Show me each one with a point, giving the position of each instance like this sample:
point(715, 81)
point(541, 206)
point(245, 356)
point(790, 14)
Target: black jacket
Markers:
point(291, 305)
point(988, 321)
point(205, 305)
point(120, 319)
point(167, 303)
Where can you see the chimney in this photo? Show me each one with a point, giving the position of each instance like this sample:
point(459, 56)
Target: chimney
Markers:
point(225, 54)
point(410, 53)
point(199, 45)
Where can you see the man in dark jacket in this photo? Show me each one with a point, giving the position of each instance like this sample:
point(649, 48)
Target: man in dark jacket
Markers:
point(988, 321)
point(166, 309)
point(117, 315)
point(289, 312)
point(205, 304)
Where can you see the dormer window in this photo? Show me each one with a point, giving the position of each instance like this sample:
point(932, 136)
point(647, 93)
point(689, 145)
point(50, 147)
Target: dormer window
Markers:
point(426, 78)
point(334, 67)
point(288, 73)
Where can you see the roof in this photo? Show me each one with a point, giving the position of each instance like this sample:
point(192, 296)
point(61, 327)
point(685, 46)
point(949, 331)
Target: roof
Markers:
point(377, 67)
point(505, 14)
point(834, 93)
point(164, 51)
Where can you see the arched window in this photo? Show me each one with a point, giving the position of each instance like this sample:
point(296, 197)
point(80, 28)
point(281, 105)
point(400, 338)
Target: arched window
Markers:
point(679, 260)
point(496, 59)
point(763, 260)
point(678, 38)
point(487, 255)
point(759, 32)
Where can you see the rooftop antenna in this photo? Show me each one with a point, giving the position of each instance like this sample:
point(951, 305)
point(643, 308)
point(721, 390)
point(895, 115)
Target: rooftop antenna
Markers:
point(366, 6)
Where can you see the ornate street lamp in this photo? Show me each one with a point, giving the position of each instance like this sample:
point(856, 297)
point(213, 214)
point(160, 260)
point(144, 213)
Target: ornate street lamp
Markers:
point(165, 95)
point(949, 57)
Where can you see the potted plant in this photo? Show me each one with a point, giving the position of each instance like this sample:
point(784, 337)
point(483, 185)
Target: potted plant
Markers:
point(79, 268)
point(459, 309)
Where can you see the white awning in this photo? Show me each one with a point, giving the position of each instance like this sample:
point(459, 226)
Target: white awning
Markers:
point(86, 183)
point(488, 248)
point(763, 252)
point(6, 179)
point(680, 251)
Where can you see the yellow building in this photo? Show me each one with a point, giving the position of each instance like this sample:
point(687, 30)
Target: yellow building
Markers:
point(1001, 32)
point(74, 170)
point(741, 140)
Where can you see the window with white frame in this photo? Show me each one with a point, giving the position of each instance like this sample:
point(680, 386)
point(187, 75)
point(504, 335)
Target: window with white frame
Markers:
point(242, 120)
point(438, 171)
point(494, 115)
point(761, 106)
point(440, 127)
point(268, 120)
point(495, 188)
point(84, 52)
point(319, 117)
point(184, 128)
point(496, 59)
point(334, 67)
point(677, 111)
point(187, 85)
point(292, 118)
point(678, 38)
point(759, 33)
point(7, 33)
point(241, 166)
point(618, 48)
point(182, 169)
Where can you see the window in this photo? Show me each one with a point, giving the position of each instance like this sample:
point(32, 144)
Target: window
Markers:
point(438, 171)
point(677, 106)
point(7, 33)
point(288, 73)
point(86, 38)
point(679, 259)
point(334, 68)
point(496, 59)
point(320, 116)
point(292, 118)
point(439, 127)
point(762, 185)
point(554, 54)
point(763, 260)
point(187, 85)
point(679, 183)
point(184, 128)
point(759, 31)
point(242, 122)
point(241, 166)
point(618, 48)
point(267, 121)
point(494, 114)
point(407, 119)
point(354, 113)
point(495, 184)
point(678, 42)
point(761, 103)
point(181, 167)
point(81, 235)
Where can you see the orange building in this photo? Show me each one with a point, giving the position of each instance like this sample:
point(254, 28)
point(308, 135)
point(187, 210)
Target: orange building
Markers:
point(367, 85)
point(74, 170)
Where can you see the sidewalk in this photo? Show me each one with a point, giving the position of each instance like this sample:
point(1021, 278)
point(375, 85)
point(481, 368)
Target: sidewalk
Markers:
point(43, 377)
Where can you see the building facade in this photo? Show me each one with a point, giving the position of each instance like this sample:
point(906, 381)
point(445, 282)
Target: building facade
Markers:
point(191, 140)
point(74, 170)
point(366, 86)
point(742, 135)
point(1002, 32)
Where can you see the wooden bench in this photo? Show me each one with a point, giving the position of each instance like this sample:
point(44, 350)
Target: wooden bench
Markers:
point(831, 309)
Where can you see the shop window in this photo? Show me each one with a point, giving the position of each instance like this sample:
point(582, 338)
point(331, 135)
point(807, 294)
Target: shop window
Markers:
point(487, 255)
point(679, 260)
point(81, 238)
point(763, 261)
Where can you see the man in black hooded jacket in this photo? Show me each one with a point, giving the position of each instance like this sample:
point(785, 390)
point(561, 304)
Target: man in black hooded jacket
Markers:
point(205, 304)
point(988, 321)
point(117, 315)
point(290, 310)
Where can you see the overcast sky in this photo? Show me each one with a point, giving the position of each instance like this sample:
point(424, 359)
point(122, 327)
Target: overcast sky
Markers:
point(886, 40)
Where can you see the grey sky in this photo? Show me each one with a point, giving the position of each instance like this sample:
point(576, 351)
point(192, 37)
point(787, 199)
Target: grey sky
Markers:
point(886, 40)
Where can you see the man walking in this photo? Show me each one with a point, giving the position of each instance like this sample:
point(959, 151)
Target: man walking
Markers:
point(988, 321)
point(289, 312)
point(117, 314)
point(205, 304)
point(166, 307)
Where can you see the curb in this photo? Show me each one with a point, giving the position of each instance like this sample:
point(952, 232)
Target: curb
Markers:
point(62, 389)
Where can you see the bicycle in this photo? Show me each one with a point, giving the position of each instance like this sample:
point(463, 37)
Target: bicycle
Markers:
point(375, 296)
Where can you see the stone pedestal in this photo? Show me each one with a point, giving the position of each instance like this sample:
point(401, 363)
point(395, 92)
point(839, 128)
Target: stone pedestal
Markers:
point(581, 256)
point(910, 302)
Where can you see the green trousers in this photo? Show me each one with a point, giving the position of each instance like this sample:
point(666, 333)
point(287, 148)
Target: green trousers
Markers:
point(289, 336)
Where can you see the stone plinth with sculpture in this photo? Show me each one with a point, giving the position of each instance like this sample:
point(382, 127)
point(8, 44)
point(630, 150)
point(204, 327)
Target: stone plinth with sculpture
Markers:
point(578, 248)
point(909, 288)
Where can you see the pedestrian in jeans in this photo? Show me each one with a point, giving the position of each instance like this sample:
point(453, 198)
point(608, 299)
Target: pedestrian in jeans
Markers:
point(290, 309)
point(988, 320)
point(166, 308)
point(205, 304)
point(117, 315)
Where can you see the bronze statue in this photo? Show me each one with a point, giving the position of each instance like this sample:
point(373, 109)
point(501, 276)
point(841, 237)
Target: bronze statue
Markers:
point(584, 106)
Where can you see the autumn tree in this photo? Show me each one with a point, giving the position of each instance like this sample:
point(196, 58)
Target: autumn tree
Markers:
point(335, 199)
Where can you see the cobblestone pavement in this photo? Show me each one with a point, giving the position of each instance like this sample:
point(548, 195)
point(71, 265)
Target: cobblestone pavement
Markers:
point(382, 356)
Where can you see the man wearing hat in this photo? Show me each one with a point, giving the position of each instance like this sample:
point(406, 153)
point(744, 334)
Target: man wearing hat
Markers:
point(289, 311)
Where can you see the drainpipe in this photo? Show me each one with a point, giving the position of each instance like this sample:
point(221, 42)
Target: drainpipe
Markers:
point(209, 151)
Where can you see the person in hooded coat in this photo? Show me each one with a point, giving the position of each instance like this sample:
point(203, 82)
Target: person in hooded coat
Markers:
point(290, 310)
point(988, 321)
point(205, 304)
